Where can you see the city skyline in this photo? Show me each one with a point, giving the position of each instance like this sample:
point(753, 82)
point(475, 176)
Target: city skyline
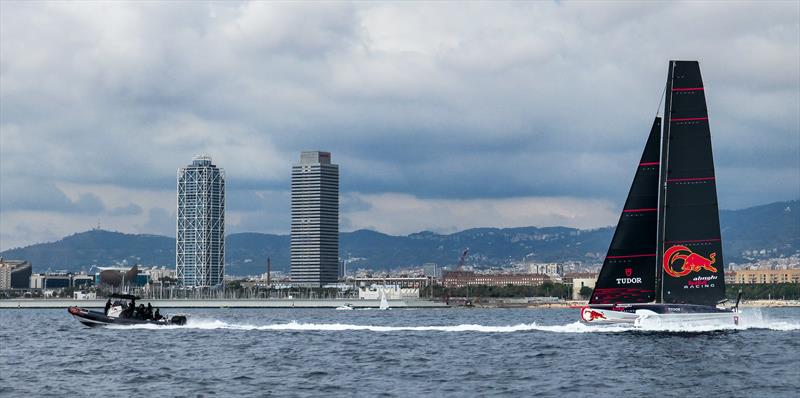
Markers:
point(446, 117)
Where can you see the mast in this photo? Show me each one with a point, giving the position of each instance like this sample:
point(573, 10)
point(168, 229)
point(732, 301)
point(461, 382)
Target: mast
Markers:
point(689, 244)
point(662, 184)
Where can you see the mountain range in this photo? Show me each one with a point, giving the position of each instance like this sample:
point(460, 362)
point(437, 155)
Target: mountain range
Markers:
point(773, 229)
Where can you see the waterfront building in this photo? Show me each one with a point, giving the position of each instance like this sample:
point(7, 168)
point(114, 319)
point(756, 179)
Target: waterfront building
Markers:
point(200, 235)
point(14, 274)
point(392, 292)
point(315, 220)
point(51, 280)
point(82, 280)
point(456, 279)
point(765, 276)
point(402, 282)
point(579, 280)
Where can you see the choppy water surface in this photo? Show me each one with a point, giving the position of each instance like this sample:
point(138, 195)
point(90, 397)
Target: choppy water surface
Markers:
point(443, 352)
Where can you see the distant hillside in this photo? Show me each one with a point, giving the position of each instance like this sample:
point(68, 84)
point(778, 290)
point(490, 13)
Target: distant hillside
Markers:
point(774, 228)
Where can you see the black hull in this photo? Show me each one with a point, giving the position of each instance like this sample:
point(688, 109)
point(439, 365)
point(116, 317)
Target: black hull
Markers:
point(95, 319)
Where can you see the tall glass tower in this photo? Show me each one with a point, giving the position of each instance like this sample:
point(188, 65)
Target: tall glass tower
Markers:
point(200, 237)
point(315, 220)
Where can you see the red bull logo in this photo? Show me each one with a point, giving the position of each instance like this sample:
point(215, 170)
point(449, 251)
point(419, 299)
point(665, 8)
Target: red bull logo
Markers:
point(590, 315)
point(691, 261)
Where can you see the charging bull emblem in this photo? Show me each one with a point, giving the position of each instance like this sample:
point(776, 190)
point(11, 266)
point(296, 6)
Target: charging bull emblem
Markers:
point(589, 314)
point(692, 262)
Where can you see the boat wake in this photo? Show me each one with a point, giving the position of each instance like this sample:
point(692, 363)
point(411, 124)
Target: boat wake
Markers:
point(747, 322)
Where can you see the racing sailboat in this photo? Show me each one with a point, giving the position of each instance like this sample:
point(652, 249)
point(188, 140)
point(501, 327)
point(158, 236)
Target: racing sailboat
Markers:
point(665, 259)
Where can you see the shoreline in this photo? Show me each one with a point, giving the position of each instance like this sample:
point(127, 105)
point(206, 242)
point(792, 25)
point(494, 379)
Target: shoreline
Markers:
point(330, 303)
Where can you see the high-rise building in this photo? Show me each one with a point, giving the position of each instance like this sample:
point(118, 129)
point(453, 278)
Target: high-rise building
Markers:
point(200, 236)
point(14, 274)
point(315, 220)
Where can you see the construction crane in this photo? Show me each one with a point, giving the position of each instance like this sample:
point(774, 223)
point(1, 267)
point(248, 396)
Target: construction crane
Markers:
point(461, 260)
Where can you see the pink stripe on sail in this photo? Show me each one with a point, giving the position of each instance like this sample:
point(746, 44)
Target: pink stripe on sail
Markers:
point(687, 119)
point(633, 256)
point(690, 179)
point(693, 241)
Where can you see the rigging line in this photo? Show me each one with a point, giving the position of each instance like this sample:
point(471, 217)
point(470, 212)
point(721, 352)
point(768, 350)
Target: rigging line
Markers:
point(661, 99)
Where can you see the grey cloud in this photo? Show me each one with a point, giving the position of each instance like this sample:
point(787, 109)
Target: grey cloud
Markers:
point(160, 221)
point(436, 100)
point(88, 203)
point(350, 203)
point(45, 196)
point(132, 209)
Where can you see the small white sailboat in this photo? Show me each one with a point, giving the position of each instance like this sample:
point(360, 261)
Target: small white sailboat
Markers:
point(384, 301)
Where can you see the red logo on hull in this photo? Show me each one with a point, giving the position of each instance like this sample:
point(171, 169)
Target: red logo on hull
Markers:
point(628, 272)
point(589, 314)
point(692, 262)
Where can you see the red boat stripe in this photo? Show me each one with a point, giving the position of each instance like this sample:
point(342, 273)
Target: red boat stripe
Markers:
point(688, 89)
point(648, 164)
point(690, 179)
point(633, 255)
point(693, 241)
point(686, 119)
point(638, 210)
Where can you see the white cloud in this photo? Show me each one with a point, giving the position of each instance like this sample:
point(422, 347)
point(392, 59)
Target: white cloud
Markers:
point(401, 214)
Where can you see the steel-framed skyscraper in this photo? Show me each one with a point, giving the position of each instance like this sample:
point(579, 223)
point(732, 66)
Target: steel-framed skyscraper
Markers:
point(315, 220)
point(200, 236)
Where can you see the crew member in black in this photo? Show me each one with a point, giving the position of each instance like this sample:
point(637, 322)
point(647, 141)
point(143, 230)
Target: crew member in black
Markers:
point(149, 311)
point(157, 316)
point(108, 306)
point(141, 310)
point(132, 309)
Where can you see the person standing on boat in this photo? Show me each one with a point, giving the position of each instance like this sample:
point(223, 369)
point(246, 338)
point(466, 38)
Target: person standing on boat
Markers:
point(108, 306)
point(148, 314)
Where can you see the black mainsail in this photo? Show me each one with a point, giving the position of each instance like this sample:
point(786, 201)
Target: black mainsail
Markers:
point(628, 274)
point(689, 241)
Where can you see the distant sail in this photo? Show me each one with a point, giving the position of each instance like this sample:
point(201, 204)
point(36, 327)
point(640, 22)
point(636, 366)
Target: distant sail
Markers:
point(689, 242)
point(384, 302)
point(628, 273)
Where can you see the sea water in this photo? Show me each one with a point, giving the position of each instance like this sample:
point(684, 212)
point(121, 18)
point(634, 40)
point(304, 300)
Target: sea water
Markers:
point(425, 352)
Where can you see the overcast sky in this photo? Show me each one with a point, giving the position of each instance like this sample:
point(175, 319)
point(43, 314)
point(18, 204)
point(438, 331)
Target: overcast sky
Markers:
point(442, 116)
